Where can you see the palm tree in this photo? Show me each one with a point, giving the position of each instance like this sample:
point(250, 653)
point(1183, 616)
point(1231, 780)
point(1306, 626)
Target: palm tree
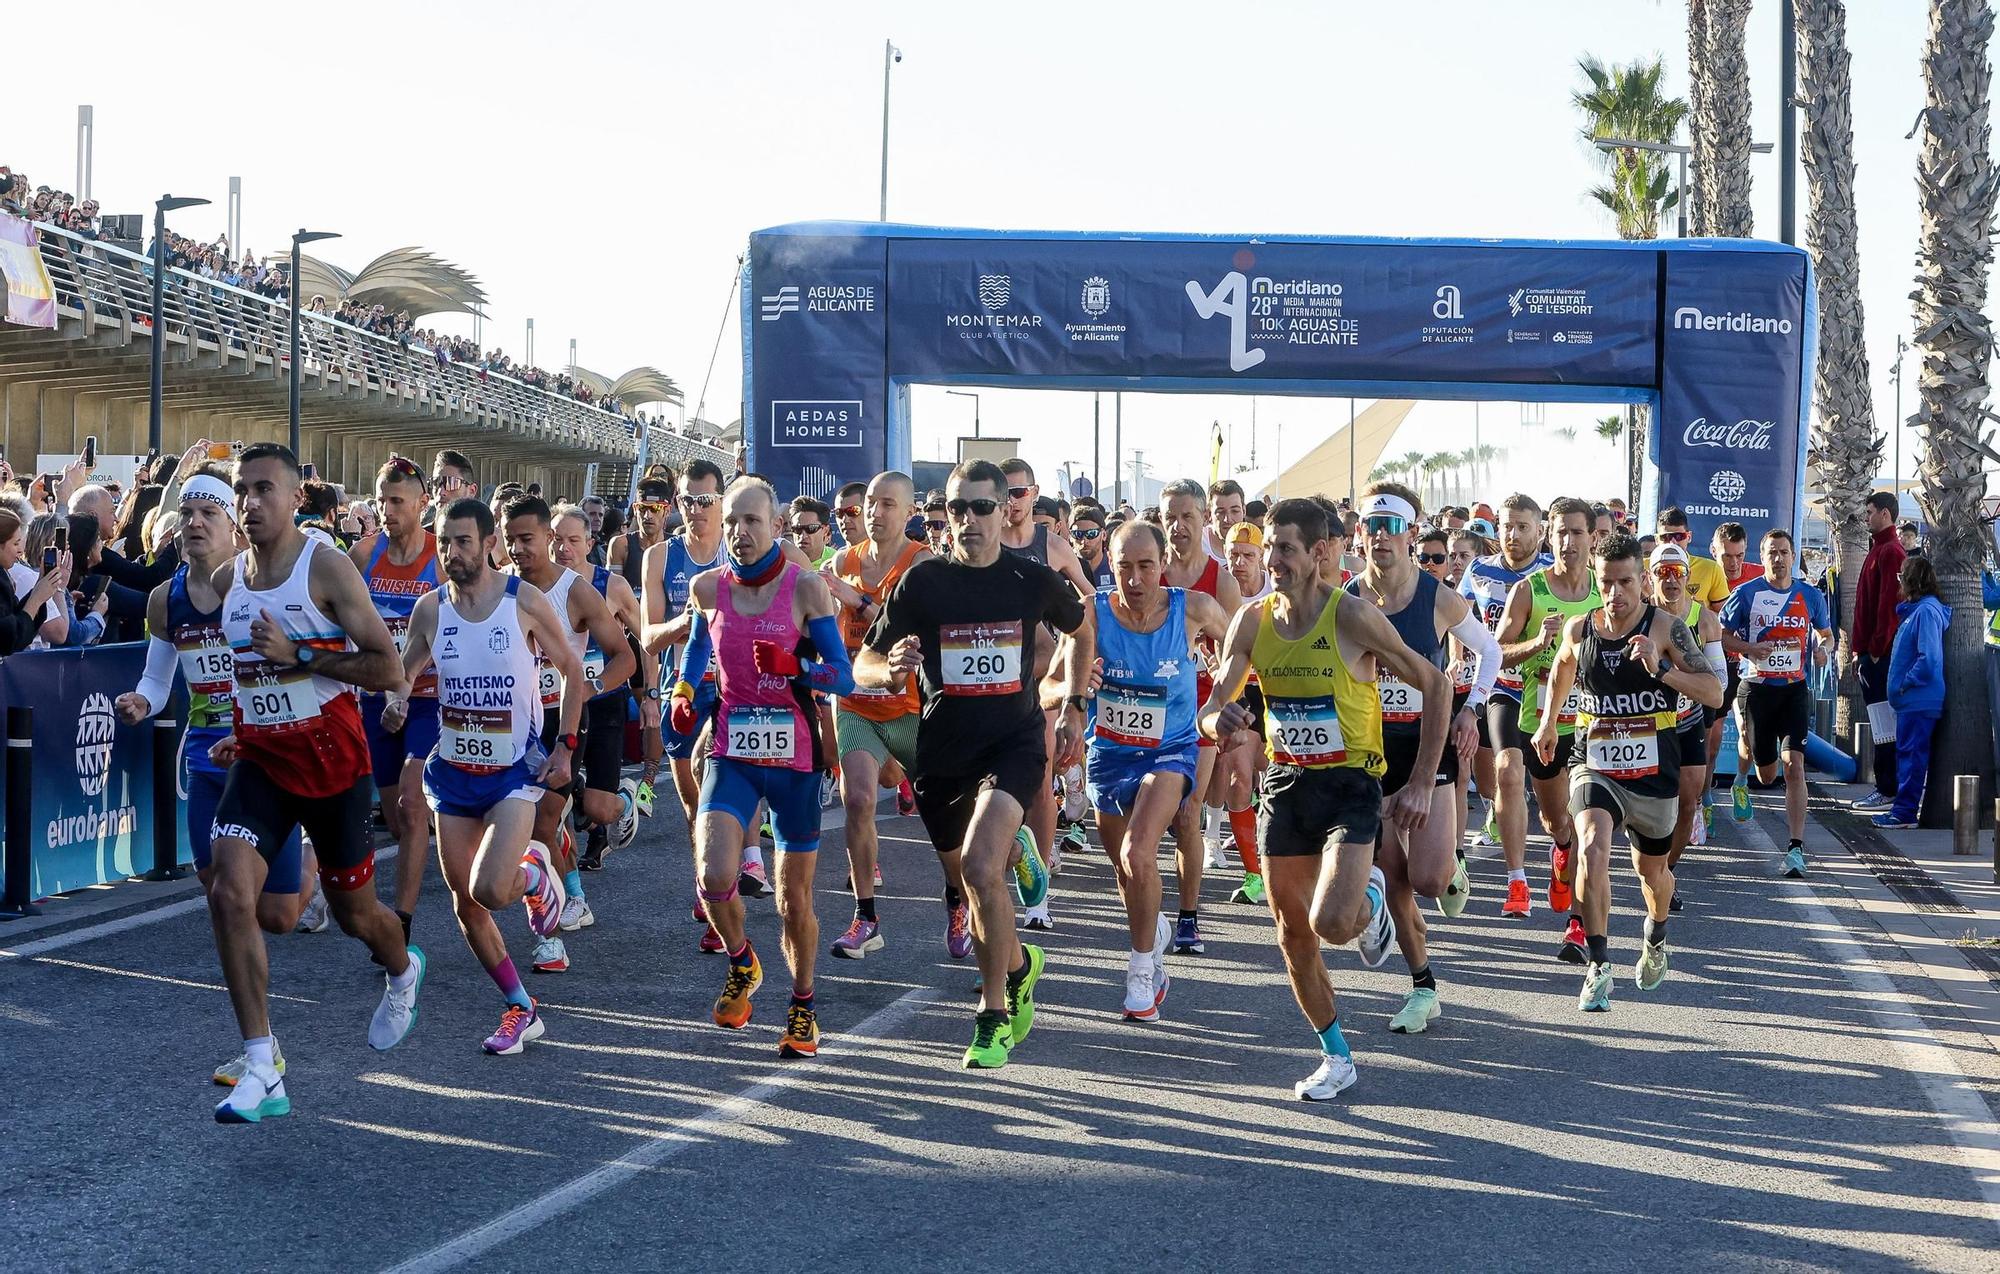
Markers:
point(1412, 467)
point(1433, 466)
point(1955, 197)
point(1700, 162)
point(1847, 449)
point(1720, 73)
point(1625, 101)
point(1609, 427)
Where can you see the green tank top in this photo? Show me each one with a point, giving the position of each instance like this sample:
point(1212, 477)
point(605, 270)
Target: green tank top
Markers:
point(1543, 602)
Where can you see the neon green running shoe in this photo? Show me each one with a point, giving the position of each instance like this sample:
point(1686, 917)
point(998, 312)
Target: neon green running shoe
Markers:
point(644, 799)
point(991, 1043)
point(1416, 1013)
point(1707, 813)
point(1021, 992)
point(1456, 894)
point(1251, 890)
point(1652, 968)
point(1030, 882)
point(1492, 828)
point(1739, 801)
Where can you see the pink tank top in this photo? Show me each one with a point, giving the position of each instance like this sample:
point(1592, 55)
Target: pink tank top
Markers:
point(759, 721)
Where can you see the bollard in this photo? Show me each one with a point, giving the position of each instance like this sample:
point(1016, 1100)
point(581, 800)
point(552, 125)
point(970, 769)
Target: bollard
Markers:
point(1965, 814)
point(1864, 753)
point(19, 861)
point(166, 800)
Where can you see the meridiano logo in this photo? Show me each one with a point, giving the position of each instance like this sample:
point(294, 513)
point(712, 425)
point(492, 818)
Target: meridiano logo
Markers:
point(1689, 317)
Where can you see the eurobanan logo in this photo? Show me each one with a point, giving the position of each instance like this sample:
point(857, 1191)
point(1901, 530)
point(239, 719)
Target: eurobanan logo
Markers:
point(1691, 318)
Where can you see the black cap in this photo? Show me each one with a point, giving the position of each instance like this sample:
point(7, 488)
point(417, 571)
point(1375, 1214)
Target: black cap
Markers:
point(1046, 505)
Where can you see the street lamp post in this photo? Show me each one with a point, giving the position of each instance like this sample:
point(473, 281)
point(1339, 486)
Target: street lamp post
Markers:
point(890, 56)
point(156, 414)
point(961, 393)
point(302, 237)
point(1896, 483)
point(1682, 153)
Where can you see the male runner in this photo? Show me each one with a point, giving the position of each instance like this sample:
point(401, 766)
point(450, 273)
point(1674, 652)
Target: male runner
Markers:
point(184, 618)
point(669, 566)
point(1501, 767)
point(451, 479)
point(1775, 622)
point(1426, 861)
point(967, 627)
point(1530, 632)
point(1630, 661)
point(302, 634)
point(1669, 569)
point(1225, 510)
point(1093, 544)
point(770, 627)
point(652, 510)
point(399, 562)
point(1731, 546)
point(1243, 766)
point(488, 772)
point(1142, 754)
point(1322, 793)
point(849, 512)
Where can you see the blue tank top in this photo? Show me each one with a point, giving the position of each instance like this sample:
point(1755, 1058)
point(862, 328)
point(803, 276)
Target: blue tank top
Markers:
point(680, 569)
point(202, 652)
point(1147, 704)
point(1416, 624)
point(594, 658)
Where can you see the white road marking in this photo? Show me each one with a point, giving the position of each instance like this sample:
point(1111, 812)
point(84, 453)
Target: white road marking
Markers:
point(653, 1152)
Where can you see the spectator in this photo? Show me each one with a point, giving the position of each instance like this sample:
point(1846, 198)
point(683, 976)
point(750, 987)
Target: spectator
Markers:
point(1875, 597)
point(1916, 685)
point(1911, 542)
point(27, 594)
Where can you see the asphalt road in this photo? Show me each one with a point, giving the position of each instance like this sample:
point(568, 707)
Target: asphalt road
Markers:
point(1775, 1105)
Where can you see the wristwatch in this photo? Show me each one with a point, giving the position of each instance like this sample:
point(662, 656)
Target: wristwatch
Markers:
point(569, 741)
point(1079, 702)
point(304, 655)
point(653, 693)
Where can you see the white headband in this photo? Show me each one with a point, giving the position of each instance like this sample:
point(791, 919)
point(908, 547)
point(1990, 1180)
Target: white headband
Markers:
point(213, 490)
point(1383, 502)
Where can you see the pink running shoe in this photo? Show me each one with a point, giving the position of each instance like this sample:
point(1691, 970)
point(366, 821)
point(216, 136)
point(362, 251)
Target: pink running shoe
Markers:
point(958, 933)
point(546, 903)
point(906, 800)
point(517, 1027)
point(711, 942)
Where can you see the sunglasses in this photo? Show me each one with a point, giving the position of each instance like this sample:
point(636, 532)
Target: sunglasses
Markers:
point(1433, 559)
point(849, 510)
point(448, 481)
point(1670, 570)
point(1674, 537)
point(1016, 493)
point(814, 529)
point(403, 465)
point(699, 501)
point(978, 508)
point(1084, 533)
point(937, 526)
point(1384, 524)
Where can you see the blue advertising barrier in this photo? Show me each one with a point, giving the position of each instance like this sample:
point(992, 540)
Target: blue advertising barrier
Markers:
point(92, 805)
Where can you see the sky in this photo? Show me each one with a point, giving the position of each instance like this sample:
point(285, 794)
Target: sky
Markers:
point(599, 165)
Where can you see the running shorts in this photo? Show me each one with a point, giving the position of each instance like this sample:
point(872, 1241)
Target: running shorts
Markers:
point(1565, 757)
point(1016, 764)
point(253, 808)
point(1780, 712)
point(896, 737)
point(1694, 744)
point(1648, 820)
point(1400, 751)
point(603, 759)
point(733, 787)
point(462, 794)
point(1112, 778)
point(201, 785)
point(1308, 811)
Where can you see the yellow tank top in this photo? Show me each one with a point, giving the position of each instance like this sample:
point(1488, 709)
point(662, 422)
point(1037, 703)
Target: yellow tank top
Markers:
point(1316, 713)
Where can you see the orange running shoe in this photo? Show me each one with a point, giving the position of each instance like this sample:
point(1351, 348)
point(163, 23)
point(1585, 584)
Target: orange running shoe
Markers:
point(1519, 905)
point(801, 1037)
point(1561, 872)
point(732, 1007)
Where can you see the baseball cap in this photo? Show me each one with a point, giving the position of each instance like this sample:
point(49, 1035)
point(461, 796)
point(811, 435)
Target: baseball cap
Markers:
point(1047, 507)
point(1246, 533)
point(1664, 552)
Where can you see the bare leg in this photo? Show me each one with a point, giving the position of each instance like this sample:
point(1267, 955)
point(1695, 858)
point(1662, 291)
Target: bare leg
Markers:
point(1188, 849)
point(858, 776)
point(800, 940)
point(413, 834)
point(237, 874)
point(718, 859)
point(989, 850)
point(1510, 796)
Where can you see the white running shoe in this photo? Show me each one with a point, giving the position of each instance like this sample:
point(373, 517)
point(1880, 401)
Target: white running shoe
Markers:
point(257, 1096)
point(315, 917)
point(1215, 858)
point(1379, 938)
point(231, 1071)
point(1038, 917)
point(576, 914)
point(1334, 1077)
point(1698, 831)
point(397, 1013)
point(1142, 999)
point(627, 828)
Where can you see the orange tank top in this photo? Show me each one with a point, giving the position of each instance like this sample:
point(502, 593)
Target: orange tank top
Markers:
point(882, 705)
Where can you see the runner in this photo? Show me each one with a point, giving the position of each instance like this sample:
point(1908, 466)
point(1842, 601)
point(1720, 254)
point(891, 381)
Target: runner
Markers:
point(1775, 622)
point(1427, 860)
point(652, 510)
point(1093, 544)
point(1142, 751)
point(1731, 545)
point(1322, 793)
point(488, 772)
point(769, 626)
point(303, 634)
point(1501, 764)
point(1670, 574)
point(1530, 633)
point(849, 513)
point(1242, 767)
point(1225, 511)
point(1631, 662)
point(966, 627)
point(399, 562)
point(189, 611)
point(669, 566)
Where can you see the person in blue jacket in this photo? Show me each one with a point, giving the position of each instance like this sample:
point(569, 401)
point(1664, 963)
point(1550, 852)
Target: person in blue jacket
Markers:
point(1989, 600)
point(1916, 685)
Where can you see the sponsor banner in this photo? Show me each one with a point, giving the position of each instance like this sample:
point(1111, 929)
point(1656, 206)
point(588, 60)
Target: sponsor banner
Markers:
point(1728, 436)
point(92, 815)
point(31, 298)
point(1278, 311)
point(816, 383)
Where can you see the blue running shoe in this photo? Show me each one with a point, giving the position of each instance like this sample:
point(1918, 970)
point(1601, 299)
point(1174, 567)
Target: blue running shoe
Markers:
point(1029, 882)
point(1739, 801)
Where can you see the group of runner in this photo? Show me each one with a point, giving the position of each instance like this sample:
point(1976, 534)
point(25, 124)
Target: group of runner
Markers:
point(1344, 693)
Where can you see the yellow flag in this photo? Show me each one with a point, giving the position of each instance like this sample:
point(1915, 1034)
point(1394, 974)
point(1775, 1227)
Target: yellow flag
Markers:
point(1215, 457)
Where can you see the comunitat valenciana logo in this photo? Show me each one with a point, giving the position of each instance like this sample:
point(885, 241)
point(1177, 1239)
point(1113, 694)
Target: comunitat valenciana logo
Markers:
point(1689, 318)
point(94, 729)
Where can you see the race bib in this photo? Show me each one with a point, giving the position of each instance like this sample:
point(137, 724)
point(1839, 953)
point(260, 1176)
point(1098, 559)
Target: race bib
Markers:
point(1623, 748)
point(761, 734)
point(980, 659)
point(477, 739)
point(1132, 716)
point(1785, 660)
point(549, 682)
point(210, 668)
point(399, 631)
point(593, 668)
point(1462, 676)
point(275, 699)
point(1305, 732)
point(1567, 715)
point(1402, 702)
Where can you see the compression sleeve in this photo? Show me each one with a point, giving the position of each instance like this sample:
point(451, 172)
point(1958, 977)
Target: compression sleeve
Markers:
point(831, 674)
point(157, 682)
point(1485, 647)
point(697, 651)
point(1717, 661)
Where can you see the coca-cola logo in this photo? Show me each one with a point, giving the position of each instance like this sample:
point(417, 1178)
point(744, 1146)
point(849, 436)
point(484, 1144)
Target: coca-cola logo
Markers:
point(1744, 435)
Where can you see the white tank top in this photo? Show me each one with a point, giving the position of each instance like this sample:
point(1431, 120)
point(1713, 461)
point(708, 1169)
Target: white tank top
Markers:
point(548, 680)
point(275, 700)
point(487, 709)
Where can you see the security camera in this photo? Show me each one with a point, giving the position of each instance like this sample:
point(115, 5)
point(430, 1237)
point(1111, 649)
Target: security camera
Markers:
point(899, 55)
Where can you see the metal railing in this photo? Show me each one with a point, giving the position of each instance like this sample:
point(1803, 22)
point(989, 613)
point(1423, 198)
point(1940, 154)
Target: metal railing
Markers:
point(111, 288)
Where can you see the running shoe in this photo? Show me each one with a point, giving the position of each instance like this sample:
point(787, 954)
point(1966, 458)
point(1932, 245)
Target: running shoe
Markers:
point(906, 800)
point(1795, 863)
point(1251, 890)
point(1142, 996)
point(396, 1015)
point(1891, 822)
point(517, 1027)
point(1574, 950)
point(862, 936)
point(957, 932)
point(1674, 903)
point(1039, 919)
point(1873, 803)
point(1456, 894)
point(752, 882)
point(1334, 1077)
point(1021, 992)
point(229, 1072)
point(1079, 836)
point(1698, 829)
point(642, 797)
point(1707, 815)
point(315, 917)
point(1187, 938)
point(1417, 1011)
point(258, 1095)
point(576, 914)
point(829, 789)
point(848, 883)
point(1054, 860)
point(1030, 881)
point(801, 1037)
point(732, 1007)
point(1380, 936)
point(1652, 968)
point(699, 912)
point(1213, 856)
point(1739, 801)
point(596, 844)
point(1520, 903)
point(1561, 896)
point(992, 1041)
point(545, 904)
point(1490, 834)
point(1163, 936)
point(551, 956)
point(711, 942)
point(628, 815)
point(1596, 994)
